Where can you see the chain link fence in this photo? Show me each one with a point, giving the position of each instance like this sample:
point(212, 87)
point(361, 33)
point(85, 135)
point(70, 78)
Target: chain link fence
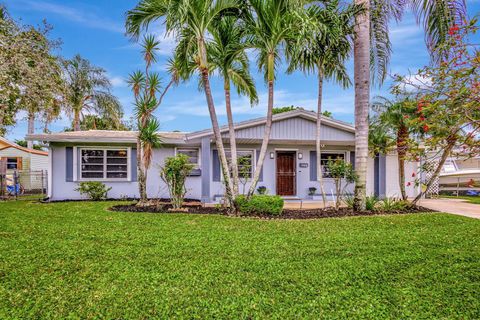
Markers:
point(23, 184)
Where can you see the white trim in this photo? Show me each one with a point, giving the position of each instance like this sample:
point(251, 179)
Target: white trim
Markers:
point(199, 158)
point(50, 173)
point(77, 168)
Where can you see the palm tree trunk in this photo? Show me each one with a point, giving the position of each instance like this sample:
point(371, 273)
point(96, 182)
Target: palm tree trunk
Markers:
point(445, 155)
point(31, 128)
point(231, 133)
point(401, 153)
point(318, 137)
point(142, 179)
point(218, 137)
point(268, 127)
point(76, 120)
point(362, 101)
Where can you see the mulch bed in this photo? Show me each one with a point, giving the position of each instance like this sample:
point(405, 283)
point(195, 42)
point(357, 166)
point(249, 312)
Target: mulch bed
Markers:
point(162, 207)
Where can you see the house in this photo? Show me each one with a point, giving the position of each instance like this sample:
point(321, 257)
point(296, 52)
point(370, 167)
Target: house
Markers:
point(460, 174)
point(289, 169)
point(29, 164)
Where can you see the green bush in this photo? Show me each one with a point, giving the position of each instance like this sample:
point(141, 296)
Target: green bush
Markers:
point(174, 173)
point(94, 190)
point(371, 203)
point(349, 201)
point(393, 204)
point(259, 204)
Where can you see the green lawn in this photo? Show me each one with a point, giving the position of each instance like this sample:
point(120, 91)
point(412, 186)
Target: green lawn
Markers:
point(471, 199)
point(77, 260)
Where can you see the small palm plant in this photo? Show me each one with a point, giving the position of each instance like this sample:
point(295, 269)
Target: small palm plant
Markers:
point(148, 93)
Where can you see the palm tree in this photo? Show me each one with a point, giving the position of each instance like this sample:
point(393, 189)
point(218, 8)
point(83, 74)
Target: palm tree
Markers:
point(436, 16)
point(271, 25)
point(146, 86)
point(323, 51)
point(190, 21)
point(87, 89)
point(391, 119)
point(227, 55)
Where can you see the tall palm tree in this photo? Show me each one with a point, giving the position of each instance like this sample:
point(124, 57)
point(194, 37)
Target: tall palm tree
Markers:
point(87, 89)
point(190, 21)
point(271, 26)
point(372, 48)
point(148, 93)
point(228, 57)
point(323, 51)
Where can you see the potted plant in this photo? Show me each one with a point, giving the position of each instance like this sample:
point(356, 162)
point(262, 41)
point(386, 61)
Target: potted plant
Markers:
point(311, 191)
point(262, 190)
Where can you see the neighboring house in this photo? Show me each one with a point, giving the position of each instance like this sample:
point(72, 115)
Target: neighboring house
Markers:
point(30, 164)
point(289, 169)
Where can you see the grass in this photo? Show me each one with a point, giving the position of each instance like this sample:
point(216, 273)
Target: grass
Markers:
point(78, 260)
point(471, 199)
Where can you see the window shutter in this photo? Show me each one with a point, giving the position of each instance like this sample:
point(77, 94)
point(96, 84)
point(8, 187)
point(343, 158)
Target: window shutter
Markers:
point(216, 166)
point(133, 164)
point(19, 163)
point(260, 179)
point(313, 166)
point(352, 159)
point(69, 164)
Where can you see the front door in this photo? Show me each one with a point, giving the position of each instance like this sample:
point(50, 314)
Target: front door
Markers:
point(286, 173)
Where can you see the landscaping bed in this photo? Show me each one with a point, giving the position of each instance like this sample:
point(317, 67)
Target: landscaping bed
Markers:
point(197, 208)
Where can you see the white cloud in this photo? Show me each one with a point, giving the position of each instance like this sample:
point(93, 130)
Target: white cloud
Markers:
point(118, 82)
point(90, 20)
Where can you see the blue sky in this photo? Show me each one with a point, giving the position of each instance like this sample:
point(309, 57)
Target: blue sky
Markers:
point(94, 29)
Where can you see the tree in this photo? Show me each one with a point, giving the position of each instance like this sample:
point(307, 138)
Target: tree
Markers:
point(323, 50)
point(94, 122)
point(340, 171)
point(190, 21)
point(146, 86)
point(372, 49)
point(271, 25)
point(447, 96)
point(87, 89)
point(23, 143)
point(228, 57)
point(30, 74)
point(390, 130)
point(174, 173)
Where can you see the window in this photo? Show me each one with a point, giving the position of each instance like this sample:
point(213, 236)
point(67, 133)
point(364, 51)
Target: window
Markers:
point(104, 163)
point(245, 162)
point(325, 157)
point(192, 154)
point(12, 163)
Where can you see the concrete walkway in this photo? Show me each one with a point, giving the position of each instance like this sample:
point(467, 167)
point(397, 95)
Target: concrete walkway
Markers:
point(455, 206)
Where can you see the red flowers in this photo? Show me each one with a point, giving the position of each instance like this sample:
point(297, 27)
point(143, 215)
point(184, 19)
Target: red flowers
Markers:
point(413, 175)
point(409, 184)
point(426, 128)
point(453, 29)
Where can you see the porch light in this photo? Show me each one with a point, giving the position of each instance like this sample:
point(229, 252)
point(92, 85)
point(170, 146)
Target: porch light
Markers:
point(272, 155)
point(300, 156)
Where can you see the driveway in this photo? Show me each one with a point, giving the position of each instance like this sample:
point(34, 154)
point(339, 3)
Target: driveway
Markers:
point(454, 206)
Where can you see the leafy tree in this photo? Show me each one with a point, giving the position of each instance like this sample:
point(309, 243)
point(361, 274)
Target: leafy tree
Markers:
point(23, 143)
point(372, 49)
point(279, 110)
point(448, 96)
point(342, 174)
point(322, 49)
point(174, 173)
point(228, 57)
point(87, 89)
point(94, 122)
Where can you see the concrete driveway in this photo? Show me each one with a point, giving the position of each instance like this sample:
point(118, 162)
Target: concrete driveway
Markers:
point(455, 206)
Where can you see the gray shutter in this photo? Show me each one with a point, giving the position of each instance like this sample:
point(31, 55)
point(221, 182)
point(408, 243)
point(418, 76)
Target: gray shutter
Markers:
point(261, 171)
point(216, 166)
point(69, 164)
point(313, 166)
point(133, 165)
point(352, 159)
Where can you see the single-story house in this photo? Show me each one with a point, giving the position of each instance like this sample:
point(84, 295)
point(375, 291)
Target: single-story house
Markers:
point(289, 169)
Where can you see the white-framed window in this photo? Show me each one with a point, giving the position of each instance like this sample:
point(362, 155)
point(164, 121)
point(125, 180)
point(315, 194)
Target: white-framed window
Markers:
point(245, 161)
point(104, 163)
point(193, 155)
point(12, 163)
point(327, 156)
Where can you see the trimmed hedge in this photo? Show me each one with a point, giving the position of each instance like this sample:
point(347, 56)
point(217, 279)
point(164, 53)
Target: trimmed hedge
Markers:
point(260, 204)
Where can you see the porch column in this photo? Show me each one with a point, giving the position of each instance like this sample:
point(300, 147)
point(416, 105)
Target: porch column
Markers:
point(206, 165)
point(380, 174)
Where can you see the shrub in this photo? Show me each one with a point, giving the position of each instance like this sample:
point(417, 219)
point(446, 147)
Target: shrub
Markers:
point(349, 201)
point(262, 190)
point(393, 204)
point(94, 190)
point(311, 191)
point(259, 204)
point(371, 203)
point(174, 173)
point(343, 174)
